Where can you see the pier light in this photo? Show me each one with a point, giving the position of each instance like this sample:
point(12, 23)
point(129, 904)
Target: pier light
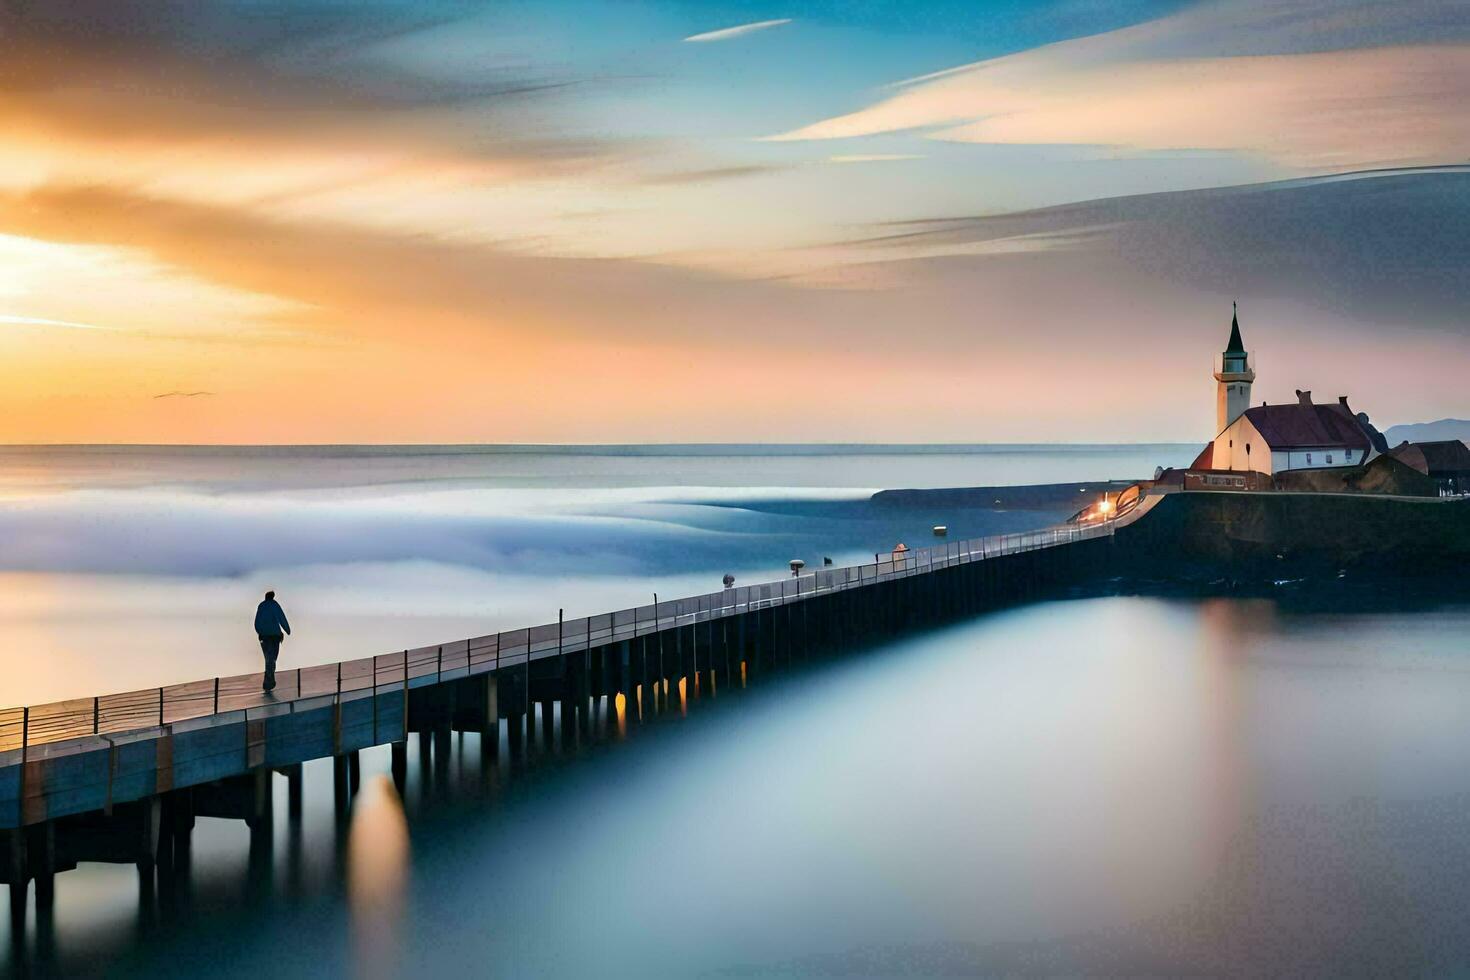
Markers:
point(1106, 507)
point(941, 530)
point(797, 565)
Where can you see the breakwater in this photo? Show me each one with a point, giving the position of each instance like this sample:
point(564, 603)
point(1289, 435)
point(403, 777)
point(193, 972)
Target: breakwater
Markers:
point(1268, 536)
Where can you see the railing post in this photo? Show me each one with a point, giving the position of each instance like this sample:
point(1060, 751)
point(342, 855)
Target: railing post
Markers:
point(438, 666)
point(25, 736)
point(96, 715)
point(216, 696)
point(339, 681)
point(160, 707)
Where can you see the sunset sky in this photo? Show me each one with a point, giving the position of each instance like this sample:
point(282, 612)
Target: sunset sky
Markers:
point(814, 220)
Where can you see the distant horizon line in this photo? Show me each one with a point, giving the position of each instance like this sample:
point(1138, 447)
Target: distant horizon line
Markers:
point(531, 447)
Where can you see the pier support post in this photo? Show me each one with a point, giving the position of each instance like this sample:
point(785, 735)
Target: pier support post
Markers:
point(181, 827)
point(584, 694)
point(261, 797)
point(426, 754)
point(261, 857)
point(625, 675)
point(399, 752)
point(340, 787)
point(548, 725)
point(293, 790)
point(567, 702)
point(490, 722)
point(16, 873)
point(516, 734)
point(724, 659)
point(642, 692)
point(41, 857)
point(441, 753)
point(741, 651)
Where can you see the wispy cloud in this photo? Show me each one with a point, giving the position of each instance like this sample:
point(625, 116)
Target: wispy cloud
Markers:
point(740, 30)
point(40, 321)
point(1207, 78)
point(184, 394)
point(714, 173)
point(1378, 245)
point(872, 157)
point(310, 83)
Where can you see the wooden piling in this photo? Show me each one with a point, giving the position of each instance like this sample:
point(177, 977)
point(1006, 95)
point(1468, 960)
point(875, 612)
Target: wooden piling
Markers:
point(341, 788)
point(294, 790)
point(399, 766)
point(442, 742)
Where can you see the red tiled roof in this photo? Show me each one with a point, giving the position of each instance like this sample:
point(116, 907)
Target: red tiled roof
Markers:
point(1205, 459)
point(1307, 426)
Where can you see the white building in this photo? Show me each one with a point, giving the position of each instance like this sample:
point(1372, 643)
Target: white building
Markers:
point(1275, 438)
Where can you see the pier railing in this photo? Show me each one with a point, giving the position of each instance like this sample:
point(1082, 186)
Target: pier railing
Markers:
point(112, 714)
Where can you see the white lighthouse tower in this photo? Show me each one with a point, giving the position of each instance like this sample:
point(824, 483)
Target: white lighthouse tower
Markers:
point(1234, 373)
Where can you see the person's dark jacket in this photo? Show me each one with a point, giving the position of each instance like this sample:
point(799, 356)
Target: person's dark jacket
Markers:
point(270, 619)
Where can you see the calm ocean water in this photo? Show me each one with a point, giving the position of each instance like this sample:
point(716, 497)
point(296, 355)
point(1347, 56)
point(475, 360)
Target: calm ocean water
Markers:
point(1122, 785)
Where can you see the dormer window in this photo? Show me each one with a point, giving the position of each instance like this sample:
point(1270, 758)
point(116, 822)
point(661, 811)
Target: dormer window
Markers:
point(1309, 459)
point(1329, 459)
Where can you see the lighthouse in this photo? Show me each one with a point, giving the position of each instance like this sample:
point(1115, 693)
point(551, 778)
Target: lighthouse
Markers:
point(1233, 375)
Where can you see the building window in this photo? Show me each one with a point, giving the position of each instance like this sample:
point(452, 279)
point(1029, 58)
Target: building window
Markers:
point(1247, 449)
point(1329, 459)
point(1347, 455)
point(1309, 459)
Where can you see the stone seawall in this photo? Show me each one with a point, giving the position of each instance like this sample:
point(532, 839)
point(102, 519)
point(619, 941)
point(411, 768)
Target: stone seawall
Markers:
point(1277, 535)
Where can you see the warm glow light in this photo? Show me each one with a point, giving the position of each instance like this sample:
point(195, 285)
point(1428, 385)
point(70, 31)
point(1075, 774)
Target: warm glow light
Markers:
point(377, 874)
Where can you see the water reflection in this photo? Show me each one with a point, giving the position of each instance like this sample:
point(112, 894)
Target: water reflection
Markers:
point(377, 877)
point(1120, 785)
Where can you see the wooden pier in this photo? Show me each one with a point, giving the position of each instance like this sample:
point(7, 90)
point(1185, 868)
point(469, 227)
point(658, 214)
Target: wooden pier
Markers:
point(121, 778)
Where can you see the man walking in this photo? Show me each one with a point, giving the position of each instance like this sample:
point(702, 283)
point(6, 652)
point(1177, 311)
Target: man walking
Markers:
point(271, 627)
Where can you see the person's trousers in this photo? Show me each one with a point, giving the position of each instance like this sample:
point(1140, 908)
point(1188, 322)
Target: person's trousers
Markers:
point(271, 647)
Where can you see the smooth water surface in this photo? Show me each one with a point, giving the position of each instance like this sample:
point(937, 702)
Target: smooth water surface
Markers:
point(1116, 785)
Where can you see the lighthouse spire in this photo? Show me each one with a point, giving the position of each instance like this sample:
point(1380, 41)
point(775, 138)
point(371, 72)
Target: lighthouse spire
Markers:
point(1233, 378)
point(1235, 346)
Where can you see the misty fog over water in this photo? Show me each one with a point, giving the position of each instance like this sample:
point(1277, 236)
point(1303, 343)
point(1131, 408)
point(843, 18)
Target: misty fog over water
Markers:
point(129, 567)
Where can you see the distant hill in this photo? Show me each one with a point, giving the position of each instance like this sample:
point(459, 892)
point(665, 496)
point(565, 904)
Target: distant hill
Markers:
point(1429, 431)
